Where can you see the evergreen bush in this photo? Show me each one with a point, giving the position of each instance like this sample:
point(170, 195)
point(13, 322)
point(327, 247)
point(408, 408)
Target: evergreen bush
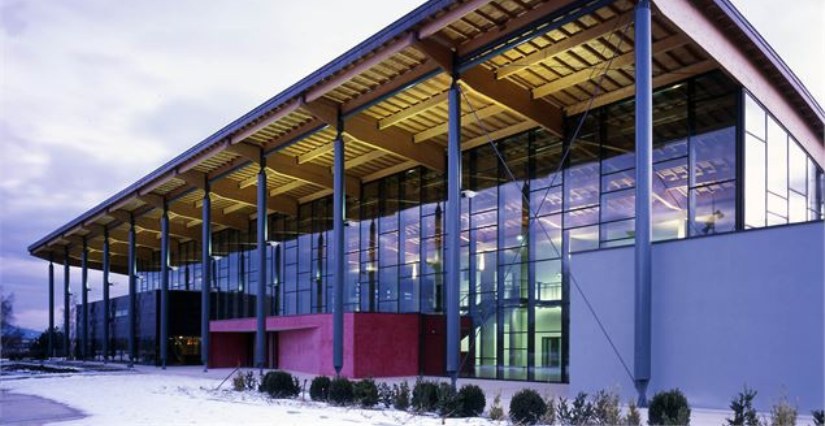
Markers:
point(401, 393)
point(743, 412)
point(425, 396)
point(340, 391)
point(448, 404)
point(386, 395)
point(527, 407)
point(244, 381)
point(472, 401)
point(319, 388)
point(365, 393)
point(669, 408)
point(280, 384)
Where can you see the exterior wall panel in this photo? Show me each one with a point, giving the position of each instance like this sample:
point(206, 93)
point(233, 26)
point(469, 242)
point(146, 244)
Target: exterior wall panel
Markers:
point(743, 308)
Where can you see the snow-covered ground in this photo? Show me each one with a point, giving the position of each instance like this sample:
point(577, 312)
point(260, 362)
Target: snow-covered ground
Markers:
point(150, 396)
point(162, 399)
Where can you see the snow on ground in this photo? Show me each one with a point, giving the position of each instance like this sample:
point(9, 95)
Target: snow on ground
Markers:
point(160, 399)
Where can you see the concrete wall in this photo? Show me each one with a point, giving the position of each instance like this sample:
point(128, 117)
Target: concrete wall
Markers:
point(727, 310)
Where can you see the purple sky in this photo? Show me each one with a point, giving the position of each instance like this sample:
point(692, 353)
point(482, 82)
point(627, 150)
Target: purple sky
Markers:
point(95, 94)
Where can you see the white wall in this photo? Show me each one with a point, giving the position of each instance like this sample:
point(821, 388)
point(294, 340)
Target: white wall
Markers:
point(731, 309)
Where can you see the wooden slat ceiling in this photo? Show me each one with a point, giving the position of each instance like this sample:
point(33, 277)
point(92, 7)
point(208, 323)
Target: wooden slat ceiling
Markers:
point(559, 68)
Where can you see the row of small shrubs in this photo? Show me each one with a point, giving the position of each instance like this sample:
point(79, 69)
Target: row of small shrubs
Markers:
point(528, 407)
point(441, 398)
point(783, 413)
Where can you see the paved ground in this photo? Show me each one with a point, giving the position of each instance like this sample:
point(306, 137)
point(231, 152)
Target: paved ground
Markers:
point(18, 410)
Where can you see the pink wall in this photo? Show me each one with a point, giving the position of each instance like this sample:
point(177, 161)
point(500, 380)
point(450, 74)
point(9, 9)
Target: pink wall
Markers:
point(375, 344)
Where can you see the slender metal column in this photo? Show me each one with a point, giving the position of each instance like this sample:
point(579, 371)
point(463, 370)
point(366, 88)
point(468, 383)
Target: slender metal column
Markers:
point(106, 285)
point(84, 297)
point(66, 304)
point(339, 213)
point(644, 150)
point(206, 274)
point(453, 265)
point(260, 299)
point(164, 285)
point(132, 289)
point(51, 306)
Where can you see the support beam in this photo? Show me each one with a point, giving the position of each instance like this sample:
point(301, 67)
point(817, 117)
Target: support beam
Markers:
point(480, 114)
point(660, 80)
point(148, 224)
point(505, 93)
point(67, 350)
point(206, 274)
point(262, 222)
point(106, 286)
point(617, 62)
point(453, 222)
point(310, 173)
point(164, 285)
point(286, 188)
point(231, 190)
point(412, 111)
point(84, 302)
point(550, 52)
point(644, 178)
point(51, 305)
point(132, 343)
point(393, 140)
point(266, 122)
point(339, 212)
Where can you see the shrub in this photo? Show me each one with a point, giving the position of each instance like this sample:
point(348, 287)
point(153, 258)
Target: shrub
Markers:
point(496, 412)
point(527, 407)
point(365, 393)
point(424, 395)
point(633, 416)
point(319, 389)
point(280, 384)
point(472, 401)
point(244, 381)
point(386, 395)
point(448, 404)
point(606, 409)
point(549, 416)
point(578, 412)
point(819, 417)
point(669, 408)
point(743, 412)
point(340, 391)
point(783, 413)
point(401, 394)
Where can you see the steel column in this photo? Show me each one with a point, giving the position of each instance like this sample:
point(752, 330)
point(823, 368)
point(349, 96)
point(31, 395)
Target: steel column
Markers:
point(66, 303)
point(339, 213)
point(453, 252)
point(164, 284)
point(132, 288)
point(206, 274)
point(260, 299)
point(51, 306)
point(106, 285)
point(84, 300)
point(644, 150)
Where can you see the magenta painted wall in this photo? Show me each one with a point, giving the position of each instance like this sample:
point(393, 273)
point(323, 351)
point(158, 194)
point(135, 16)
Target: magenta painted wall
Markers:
point(375, 344)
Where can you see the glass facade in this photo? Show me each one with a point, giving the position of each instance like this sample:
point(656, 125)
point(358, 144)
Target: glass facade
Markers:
point(783, 184)
point(519, 216)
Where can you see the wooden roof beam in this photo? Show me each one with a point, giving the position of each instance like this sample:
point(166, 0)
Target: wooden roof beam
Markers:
point(617, 62)
point(231, 190)
point(546, 54)
point(504, 92)
point(393, 140)
point(284, 111)
point(412, 111)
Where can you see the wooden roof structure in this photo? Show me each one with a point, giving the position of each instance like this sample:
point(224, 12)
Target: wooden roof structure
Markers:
point(524, 64)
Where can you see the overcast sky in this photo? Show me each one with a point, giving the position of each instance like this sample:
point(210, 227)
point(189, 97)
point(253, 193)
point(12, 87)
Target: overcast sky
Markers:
point(95, 94)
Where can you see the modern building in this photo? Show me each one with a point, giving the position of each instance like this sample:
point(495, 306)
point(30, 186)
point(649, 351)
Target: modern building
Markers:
point(592, 192)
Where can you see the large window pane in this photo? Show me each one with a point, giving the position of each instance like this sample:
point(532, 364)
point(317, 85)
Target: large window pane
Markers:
point(754, 118)
point(713, 209)
point(777, 159)
point(755, 201)
point(797, 167)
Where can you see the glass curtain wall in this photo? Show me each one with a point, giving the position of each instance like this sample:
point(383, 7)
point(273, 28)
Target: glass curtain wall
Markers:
point(519, 215)
point(783, 184)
